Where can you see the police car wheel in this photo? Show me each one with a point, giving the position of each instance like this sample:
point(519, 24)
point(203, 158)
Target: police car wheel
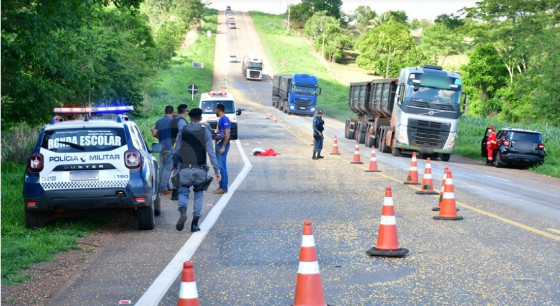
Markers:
point(33, 219)
point(146, 218)
point(157, 206)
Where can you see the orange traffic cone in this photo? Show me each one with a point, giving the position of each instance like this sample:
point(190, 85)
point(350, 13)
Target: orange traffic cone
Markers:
point(188, 295)
point(442, 189)
point(309, 290)
point(427, 182)
point(335, 147)
point(356, 158)
point(387, 240)
point(373, 161)
point(447, 209)
point(412, 178)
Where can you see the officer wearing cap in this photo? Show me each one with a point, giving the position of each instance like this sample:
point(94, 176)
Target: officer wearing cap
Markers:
point(318, 127)
point(191, 151)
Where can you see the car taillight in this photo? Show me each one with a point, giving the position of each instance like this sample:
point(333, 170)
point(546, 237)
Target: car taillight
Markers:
point(507, 143)
point(540, 146)
point(132, 159)
point(36, 162)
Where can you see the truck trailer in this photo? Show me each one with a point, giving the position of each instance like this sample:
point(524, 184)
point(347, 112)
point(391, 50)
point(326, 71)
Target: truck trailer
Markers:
point(418, 112)
point(295, 93)
point(251, 68)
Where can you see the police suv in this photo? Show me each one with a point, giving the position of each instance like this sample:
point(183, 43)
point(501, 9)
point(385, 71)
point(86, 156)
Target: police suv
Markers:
point(91, 164)
point(208, 102)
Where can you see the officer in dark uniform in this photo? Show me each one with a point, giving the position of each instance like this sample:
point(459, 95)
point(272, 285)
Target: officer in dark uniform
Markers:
point(195, 143)
point(318, 128)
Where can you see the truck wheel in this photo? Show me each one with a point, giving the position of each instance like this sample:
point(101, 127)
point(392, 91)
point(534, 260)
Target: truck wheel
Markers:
point(360, 135)
point(33, 219)
point(348, 133)
point(384, 147)
point(369, 140)
point(396, 151)
point(273, 102)
point(146, 220)
point(445, 157)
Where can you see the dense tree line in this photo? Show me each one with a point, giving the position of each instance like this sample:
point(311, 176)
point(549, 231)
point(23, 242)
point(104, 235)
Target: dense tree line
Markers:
point(512, 46)
point(85, 52)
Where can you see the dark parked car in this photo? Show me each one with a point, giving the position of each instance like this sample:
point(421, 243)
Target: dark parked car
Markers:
point(517, 147)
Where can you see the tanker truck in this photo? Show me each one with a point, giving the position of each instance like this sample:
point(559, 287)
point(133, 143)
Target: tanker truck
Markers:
point(295, 93)
point(418, 112)
point(251, 68)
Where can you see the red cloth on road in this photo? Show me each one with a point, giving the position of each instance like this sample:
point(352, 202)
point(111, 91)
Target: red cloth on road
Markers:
point(268, 152)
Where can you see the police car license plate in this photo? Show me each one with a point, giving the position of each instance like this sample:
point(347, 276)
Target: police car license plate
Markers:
point(84, 175)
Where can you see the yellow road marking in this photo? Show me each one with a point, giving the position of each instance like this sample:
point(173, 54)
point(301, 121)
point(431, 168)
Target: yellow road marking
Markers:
point(554, 230)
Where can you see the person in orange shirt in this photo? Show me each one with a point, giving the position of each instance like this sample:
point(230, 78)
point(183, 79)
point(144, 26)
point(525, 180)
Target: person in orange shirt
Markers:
point(491, 145)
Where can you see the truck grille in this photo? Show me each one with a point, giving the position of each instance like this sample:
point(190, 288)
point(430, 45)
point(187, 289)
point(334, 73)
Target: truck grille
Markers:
point(302, 102)
point(254, 74)
point(427, 134)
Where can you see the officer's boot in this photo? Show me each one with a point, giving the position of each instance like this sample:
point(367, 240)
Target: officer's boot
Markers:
point(319, 155)
point(314, 155)
point(175, 194)
point(182, 219)
point(194, 224)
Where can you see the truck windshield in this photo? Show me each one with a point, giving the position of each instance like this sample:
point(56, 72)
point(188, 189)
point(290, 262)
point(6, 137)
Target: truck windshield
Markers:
point(209, 107)
point(255, 66)
point(430, 94)
point(304, 90)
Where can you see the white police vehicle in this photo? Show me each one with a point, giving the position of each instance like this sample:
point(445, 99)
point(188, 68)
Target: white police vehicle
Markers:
point(91, 164)
point(208, 102)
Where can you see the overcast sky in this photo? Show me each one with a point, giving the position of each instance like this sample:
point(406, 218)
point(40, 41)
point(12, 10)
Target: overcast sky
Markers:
point(415, 9)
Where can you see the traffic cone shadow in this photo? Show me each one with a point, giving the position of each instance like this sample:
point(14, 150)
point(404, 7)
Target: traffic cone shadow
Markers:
point(387, 239)
point(188, 294)
point(373, 161)
point(309, 289)
point(335, 147)
point(427, 182)
point(448, 210)
point(356, 157)
point(412, 178)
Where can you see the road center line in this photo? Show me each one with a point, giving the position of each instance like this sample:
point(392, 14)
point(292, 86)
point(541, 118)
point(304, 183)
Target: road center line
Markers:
point(163, 282)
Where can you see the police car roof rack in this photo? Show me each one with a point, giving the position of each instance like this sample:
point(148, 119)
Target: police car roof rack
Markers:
point(89, 111)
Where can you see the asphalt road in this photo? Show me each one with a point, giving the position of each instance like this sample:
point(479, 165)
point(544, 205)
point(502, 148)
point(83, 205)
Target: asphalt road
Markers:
point(504, 251)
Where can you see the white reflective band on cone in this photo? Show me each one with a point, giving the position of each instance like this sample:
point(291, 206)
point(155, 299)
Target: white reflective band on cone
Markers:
point(388, 202)
point(307, 241)
point(449, 195)
point(388, 220)
point(428, 176)
point(188, 290)
point(306, 267)
point(413, 168)
point(448, 181)
point(373, 159)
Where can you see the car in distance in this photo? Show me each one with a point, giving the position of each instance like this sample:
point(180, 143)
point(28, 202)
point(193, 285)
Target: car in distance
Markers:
point(233, 58)
point(518, 147)
point(91, 164)
point(232, 25)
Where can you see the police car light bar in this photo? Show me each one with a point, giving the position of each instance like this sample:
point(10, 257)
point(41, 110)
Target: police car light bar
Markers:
point(90, 110)
point(221, 93)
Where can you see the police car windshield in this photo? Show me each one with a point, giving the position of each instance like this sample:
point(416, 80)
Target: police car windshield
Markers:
point(209, 107)
point(83, 140)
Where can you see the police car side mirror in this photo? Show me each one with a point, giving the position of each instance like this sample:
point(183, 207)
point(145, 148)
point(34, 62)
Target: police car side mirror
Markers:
point(156, 148)
point(238, 112)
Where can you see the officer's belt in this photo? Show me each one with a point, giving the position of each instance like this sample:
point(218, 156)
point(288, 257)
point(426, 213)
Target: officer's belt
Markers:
point(191, 166)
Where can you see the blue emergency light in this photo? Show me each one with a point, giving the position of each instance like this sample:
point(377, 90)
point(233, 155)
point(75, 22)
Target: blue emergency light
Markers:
point(88, 111)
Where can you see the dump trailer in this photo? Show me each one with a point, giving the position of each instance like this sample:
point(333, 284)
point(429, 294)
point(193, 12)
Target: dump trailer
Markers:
point(295, 93)
point(251, 68)
point(418, 112)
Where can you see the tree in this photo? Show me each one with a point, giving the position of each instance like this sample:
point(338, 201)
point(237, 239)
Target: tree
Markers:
point(438, 41)
point(450, 21)
point(364, 17)
point(327, 35)
point(299, 14)
point(388, 48)
point(332, 7)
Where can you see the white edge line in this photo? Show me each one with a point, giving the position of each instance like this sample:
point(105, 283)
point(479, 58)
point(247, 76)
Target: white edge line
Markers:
point(167, 277)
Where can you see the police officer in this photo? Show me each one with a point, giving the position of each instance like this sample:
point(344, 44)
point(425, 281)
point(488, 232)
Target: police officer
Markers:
point(177, 124)
point(195, 143)
point(318, 127)
point(491, 145)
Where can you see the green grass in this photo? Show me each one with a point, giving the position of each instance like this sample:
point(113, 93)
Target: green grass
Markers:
point(22, 247)
point(296, 50)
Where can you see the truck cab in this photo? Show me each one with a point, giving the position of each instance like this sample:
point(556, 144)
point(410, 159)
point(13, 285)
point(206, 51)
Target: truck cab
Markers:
point(303, 91)
point(208, 102)
point(251, 68)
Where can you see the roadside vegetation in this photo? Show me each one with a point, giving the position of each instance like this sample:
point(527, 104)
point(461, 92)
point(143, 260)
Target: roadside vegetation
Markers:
point(301, 49)
point(166, 84)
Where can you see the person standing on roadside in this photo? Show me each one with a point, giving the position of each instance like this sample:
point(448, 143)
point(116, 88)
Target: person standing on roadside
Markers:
point(491, 145)
point(177, 124)
point(222, 146)
point(318, 128)
point(162, 131)
point(193, 145)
